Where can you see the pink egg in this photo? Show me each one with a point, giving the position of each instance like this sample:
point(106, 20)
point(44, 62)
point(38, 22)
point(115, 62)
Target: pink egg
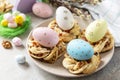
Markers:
point(8, 17)
point(17, 41)
point(42, 10)
point(12, 25)
point(45, 36)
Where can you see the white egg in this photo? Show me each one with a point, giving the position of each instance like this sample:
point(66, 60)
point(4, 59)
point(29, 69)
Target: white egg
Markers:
point(15, 13)
point(64, 18)
point(23, 15)
point(12, 25)
point(8, 16)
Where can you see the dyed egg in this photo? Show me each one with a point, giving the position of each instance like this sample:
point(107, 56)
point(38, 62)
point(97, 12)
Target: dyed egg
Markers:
point(7, 16)
point(23, 16)
point(45, 36)
point(20, 59)
point(64, 18)
point(4, 22)
point(12, 25)
point(96, 30)
point(15, 13)
point(17, 41)
point(80, 49)
point(19, 19)
point(42, 10)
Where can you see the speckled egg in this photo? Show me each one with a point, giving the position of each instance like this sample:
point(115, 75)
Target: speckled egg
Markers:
point(79, 49)
point(96, 30)
point(20, 59)
point(17, 41)
point(42, 10)
point(45, 36)
point(64, 18)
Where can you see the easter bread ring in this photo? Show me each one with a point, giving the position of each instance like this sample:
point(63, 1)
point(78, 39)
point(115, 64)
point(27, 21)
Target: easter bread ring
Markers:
point(68, 35)
point(105, 44)
point(85, 66)
point(46, 54)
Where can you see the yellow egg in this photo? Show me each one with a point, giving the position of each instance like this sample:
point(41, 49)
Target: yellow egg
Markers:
point(4, 22)
point(19, 19)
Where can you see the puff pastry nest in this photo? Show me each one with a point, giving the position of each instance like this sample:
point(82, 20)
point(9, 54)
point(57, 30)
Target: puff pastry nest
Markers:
point(49, 55)
point(85, 66)
point(67, 35)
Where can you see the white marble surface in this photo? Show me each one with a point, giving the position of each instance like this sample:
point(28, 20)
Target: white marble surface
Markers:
point(10, 70)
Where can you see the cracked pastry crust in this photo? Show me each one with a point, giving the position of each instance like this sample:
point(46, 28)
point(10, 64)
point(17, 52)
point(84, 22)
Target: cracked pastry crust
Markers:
point(67, 35)
point(105, 44)
point(49, 55)
point(81, 67)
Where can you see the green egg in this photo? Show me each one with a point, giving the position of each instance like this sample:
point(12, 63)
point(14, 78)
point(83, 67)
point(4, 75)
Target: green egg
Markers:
point(96, 30)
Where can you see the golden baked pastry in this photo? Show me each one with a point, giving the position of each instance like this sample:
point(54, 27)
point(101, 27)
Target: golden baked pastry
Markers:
point(85, 66)
point(49, 55)
point(67, 35)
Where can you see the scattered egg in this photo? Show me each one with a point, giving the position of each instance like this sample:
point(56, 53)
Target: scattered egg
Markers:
point(45, 36)
point(20, 59)
point(64, 18)
point(80, 49)
point(42, 10)
point(96, 30)
point(17, 41)
point(12, 25)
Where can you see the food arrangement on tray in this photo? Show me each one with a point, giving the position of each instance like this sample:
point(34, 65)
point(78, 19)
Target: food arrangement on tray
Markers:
point(64, 36)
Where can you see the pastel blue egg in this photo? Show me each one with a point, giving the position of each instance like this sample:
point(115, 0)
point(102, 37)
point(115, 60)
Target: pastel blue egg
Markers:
point(20, 59)
point(80, 49)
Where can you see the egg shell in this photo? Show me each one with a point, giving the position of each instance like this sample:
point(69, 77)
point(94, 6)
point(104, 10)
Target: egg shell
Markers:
point(17, 41)
point(12, 25)
point(45, 36)
point(42, 10)
point(64, 18)
point(96, 30)
point(20, 59)
point(80, 49)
